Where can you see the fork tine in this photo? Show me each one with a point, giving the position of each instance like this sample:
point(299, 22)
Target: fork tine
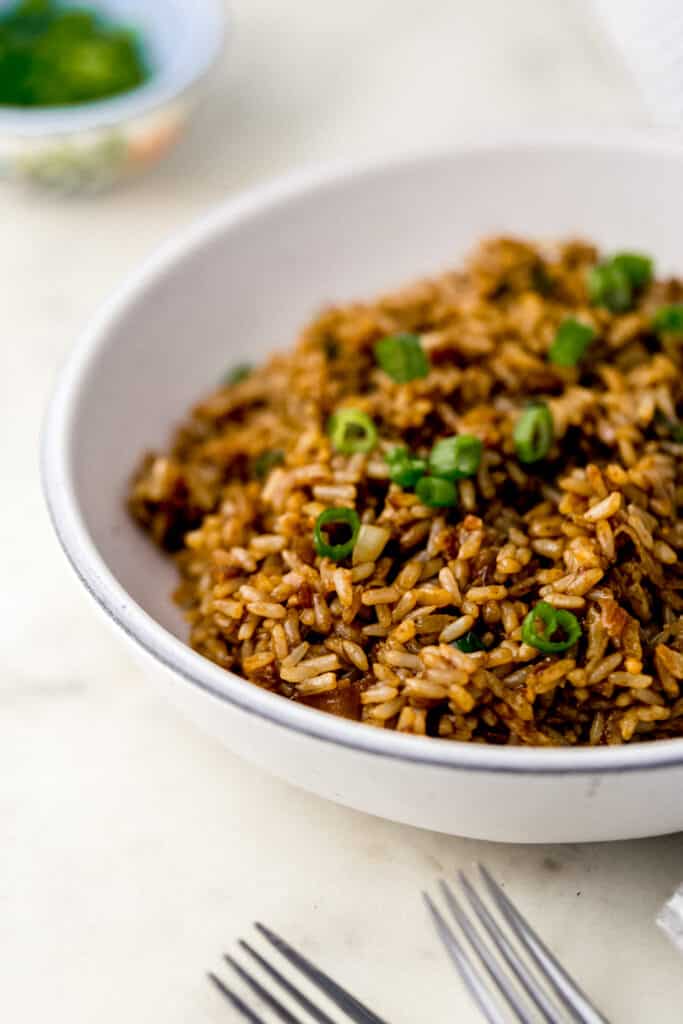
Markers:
point(467, 972)
point(574, 999)
point(508, 952)
point(275, 1005)
point(303, 1000)
point(484, 953)
point(233, 998)
point(354, 1009)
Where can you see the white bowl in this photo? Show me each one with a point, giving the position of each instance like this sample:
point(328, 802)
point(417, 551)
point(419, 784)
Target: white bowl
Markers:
point(90, 146)
point(242, 282)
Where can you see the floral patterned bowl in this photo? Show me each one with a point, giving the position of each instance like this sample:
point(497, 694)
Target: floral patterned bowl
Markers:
point(92, 146)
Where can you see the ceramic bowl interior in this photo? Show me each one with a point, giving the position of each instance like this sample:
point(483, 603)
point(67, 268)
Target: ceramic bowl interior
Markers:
point(181, 41)
point(241, 284)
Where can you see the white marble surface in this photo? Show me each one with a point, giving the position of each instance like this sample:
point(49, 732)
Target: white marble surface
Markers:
point(133, 850)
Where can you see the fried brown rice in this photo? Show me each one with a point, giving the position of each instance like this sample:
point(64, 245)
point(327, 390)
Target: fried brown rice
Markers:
point(591, 529)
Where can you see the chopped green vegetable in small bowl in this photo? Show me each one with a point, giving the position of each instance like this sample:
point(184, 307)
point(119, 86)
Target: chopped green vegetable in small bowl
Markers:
point(93, 91)
point(52, 55)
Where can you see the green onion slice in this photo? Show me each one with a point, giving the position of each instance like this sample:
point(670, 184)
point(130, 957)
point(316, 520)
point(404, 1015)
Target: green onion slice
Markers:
point(613, 282)
point(352, 431)
point(266, 461)
point(551, 620)
point(611, 287)
point(571, 341)
point(637, 267)
point(455, 458)
point(237, 374)
point(533, 433)
point(405, 469)
point(436, 493)
point(337, 519)
point(402, 357)
point(469, 643)
point(669, 319)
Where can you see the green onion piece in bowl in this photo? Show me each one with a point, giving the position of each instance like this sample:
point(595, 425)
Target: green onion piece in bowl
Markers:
point(404, 469)
point(436, 493)
point(455, 458)
point(533, 433)
point(571, 341)
point(345, 519)
point(469, 643)
point(611, 287)
point(352, 431)
point(266, 461)
point(237, 374)
point(613, 282)
point(669, 319)
point(402, 357)
point(637, 267)
point(551, 620)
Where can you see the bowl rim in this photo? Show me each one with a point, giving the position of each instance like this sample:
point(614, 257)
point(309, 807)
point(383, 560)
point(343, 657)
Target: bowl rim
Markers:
point(211, 22)
point(173, 653)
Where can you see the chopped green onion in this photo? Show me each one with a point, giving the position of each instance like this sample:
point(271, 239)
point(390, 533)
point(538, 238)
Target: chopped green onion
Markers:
point(613, 282)
point(352, 431)
point(636, 266)
point(469, 643)
point(436, 493)
point(669, 319)
point(552, 619)
point(237, 374)
point(266, 461)
point(405, 469)
point(610, 287)
point(571, 341)
point(455, 458)
point(341, 519)
point(402, 357)
point(56, 54)
point(533, 433)
point(670, 428)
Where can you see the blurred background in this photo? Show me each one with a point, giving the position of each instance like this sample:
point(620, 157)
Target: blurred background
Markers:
point(81, 740)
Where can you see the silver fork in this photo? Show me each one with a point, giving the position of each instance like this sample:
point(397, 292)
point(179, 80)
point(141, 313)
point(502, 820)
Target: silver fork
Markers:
point(351, 1007)
point(546, 990)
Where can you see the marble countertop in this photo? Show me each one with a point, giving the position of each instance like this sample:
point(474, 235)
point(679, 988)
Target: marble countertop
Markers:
point(134, 850)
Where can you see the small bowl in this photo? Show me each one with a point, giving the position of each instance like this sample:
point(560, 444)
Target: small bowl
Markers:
point(244, 281)
point(92, 146)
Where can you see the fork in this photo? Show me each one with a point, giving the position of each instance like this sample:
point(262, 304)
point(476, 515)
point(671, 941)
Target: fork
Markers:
point(566, 1001)
point(352, 1007)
